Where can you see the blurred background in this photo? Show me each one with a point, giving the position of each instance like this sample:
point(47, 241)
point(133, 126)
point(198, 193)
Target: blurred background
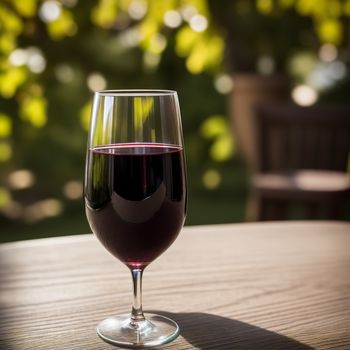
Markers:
point(221, 57)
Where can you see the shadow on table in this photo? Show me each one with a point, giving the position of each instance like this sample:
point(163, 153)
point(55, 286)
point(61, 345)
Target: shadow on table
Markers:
point(207, 331)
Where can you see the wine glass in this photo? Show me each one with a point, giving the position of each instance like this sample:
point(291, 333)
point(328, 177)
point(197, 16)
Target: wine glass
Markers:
point(135, 195)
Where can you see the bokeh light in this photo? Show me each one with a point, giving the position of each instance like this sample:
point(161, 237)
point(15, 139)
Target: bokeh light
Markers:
point(211, 179)
point(223, 83)
point(35, 60)
point(304, 95)
point(326, 75)
point(328, 52)
point(188, 11)
point(21, 179)
point(158, 43)
point(5, 125)
point(18, 57)
point(172, 19)
point(5, 197)
point(64, 73)
point(129, 38)
point(337, 70)
point(265, 65)
point(49, 11)
point(5, 151)
point(198, 23)
point(12, 209)
point(96, 81)
point(137, 9)
point(73, 189)
point(42, 209)
point(32, 57)
point(151, 60)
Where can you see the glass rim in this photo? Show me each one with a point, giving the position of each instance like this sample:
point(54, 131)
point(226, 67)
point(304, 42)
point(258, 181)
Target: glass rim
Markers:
point(136, 92)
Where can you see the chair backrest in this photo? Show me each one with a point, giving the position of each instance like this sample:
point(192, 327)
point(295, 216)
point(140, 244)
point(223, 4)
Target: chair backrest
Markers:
point(292, 137)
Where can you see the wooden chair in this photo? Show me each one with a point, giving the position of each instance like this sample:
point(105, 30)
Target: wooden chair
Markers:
point(303, 153)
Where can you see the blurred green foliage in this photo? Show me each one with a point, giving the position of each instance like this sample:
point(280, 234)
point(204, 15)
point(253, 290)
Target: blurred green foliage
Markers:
point(53, 54)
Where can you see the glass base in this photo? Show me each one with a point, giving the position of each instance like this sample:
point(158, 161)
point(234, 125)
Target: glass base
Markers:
point(155, 330)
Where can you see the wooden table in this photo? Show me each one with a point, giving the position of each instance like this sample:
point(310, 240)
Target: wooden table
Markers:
point(246, 286)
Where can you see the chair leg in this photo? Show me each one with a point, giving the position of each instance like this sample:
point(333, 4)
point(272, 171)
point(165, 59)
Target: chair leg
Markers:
point(253, 208)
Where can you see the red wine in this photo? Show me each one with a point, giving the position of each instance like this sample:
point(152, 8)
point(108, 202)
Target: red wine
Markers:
point(135, 197)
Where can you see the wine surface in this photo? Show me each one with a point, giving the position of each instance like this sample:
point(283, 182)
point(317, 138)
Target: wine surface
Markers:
point(135, 196)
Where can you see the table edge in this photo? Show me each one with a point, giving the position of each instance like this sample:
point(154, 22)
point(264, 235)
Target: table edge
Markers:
point(243, 225)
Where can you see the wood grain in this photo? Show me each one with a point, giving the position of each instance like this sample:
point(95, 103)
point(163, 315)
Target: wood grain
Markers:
point(246, 286)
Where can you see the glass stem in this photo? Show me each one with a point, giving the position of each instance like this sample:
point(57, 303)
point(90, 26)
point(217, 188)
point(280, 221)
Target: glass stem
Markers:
point(136, 311)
